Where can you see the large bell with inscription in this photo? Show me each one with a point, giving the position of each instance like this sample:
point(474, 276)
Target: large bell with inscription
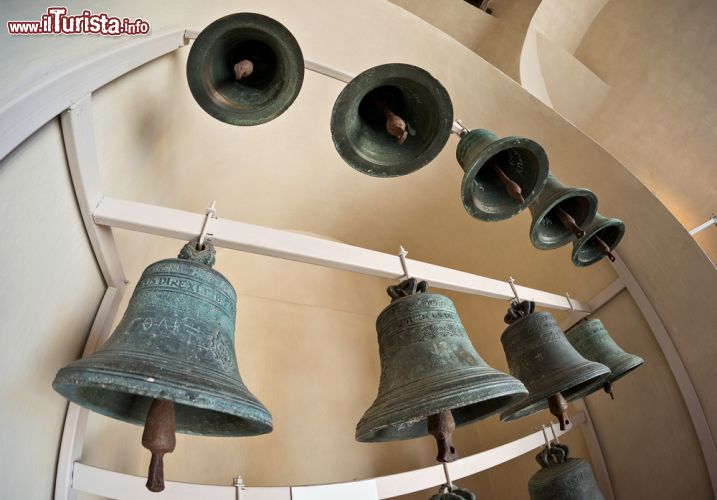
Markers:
point(430, 368)
point(391, 120)
point(502, 176)
point(591, 339)
point(542, 358)
point(170, 363)
point(601, 237)
point(560, 213)
point(562, 477)
point(245, 69)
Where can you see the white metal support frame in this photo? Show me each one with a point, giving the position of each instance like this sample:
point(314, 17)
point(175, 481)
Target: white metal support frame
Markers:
point(68, 92)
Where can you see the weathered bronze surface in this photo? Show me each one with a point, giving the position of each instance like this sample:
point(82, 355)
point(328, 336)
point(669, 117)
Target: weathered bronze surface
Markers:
point(560, 213)
point(268, 78)
point(446, 492)
point(542, 358)
point(158, 437)
point(428, 366)
point(491, 193)
point(562, 477)
point(591, 339)
point(602, 235)
point(175, 342)
point(371, 141)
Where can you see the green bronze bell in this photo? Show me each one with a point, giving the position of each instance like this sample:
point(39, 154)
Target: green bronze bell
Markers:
point(502, 176)
point(429, 369)
point(560, 213)
point(170, 363)
point(451, 492)
point(591, 340)
point(391, 120)
point(601, 238)
point(541, 357)
point(245, 69)
point(562, 477)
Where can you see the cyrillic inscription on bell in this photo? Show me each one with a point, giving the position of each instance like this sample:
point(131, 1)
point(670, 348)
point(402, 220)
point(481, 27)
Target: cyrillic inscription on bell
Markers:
point(542, 358)
point(502, 176)
point(560, 213)
point(562, 477)
point(591, 339)
point(391, 120)
point(245, 69)
point(171, 361)
point(432, 379)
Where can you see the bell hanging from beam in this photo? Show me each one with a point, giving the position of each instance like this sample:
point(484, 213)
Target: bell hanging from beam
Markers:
point(562, 477)
point(560, 213)
point(600, 239)
point(452, 492)
point(245, 69)
point(592, 341)
point(541, 357)
point(432, 379)
point(170, 363)
point(391, 120)
point(502, 176)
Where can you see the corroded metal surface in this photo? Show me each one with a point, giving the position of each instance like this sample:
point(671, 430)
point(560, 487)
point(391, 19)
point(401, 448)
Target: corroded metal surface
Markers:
point(359, 120)
point(562, 477)
point(258, 96)
point(591, 339)
point(547, 230)
point(542, 358)
point(483, 191)
point(174, 342)
point(428, 365)
point(587, 250)
point(446, 492)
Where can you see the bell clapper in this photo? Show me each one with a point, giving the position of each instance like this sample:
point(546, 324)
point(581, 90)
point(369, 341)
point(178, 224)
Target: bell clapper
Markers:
point(441, 426)
point(607, 387)
point(395, 125)
point(604, 248)
point(158, 437)
point(569, 222)
point(243, 69)
point(511, 187)
point(558, 407)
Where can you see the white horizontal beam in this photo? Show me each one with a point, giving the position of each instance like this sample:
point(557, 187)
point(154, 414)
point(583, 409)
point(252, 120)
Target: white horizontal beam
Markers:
point(27, 111)
point(119, 486)
point(711, 222)
point(251, 238)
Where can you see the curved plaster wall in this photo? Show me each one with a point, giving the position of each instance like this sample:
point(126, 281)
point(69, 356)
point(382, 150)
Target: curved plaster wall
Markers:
point(305, 336)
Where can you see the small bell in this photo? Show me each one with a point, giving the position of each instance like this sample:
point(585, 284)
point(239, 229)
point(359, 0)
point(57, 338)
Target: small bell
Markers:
point(432, 379)
point(562, 477)
point(591, 340)
point(451, 492)
point(560, 213)
point(502, 176)
point(541, 357)
point(170, 363)
point(245, 69)
point(601, 238)
point(391, 120)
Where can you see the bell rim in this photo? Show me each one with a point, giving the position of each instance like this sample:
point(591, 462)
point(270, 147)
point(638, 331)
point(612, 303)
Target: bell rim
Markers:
point(288, 47)
point(374, 420)
point(552, 202)
point(616, 374)
point(112, 381)
point(353, 92)
point(593, 374)
point(596, 228)
point(480, 161)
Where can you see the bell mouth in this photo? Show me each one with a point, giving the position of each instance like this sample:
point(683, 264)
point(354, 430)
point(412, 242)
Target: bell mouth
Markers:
point(358, 120)
point(548, 232)
point(272, 86)
point(483, 193)
point(586, 252)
